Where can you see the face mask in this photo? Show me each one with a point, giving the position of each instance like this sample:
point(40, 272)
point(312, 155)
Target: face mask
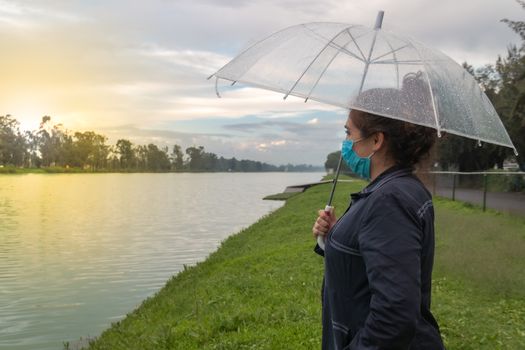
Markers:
point(359, 165)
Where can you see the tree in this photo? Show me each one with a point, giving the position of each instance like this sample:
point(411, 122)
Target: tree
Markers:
point(467, 155)
point(13, 145)
point(332, 160)
point(90, 150)
point(157, 159)
point(517, 26)
point(498, 83)
point(196, 155)
point(511, 97)
point(126, 154)
point(177, 158)
point(233, 164)
point(54, 144)
point(45, 142)
point(142, 157)
point(210, 162)
point(32, 147)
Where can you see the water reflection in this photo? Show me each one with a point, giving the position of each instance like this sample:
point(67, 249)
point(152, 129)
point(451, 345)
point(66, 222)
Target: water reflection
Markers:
point(78, 252)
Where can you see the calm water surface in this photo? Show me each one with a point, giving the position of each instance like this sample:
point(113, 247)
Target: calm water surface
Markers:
point(79, 251)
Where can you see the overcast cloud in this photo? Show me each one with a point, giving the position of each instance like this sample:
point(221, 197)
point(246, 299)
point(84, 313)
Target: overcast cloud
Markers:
point(137, 69)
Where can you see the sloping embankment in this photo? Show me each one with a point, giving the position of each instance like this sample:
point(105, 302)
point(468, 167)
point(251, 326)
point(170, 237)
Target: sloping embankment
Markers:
point(261, 289)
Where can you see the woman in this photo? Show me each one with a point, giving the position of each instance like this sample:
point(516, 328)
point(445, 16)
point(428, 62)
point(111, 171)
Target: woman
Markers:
point(379, 254)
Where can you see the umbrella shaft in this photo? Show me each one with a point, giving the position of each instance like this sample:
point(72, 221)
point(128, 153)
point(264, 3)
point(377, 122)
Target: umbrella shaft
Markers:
point(335, 180)
point(379, 23)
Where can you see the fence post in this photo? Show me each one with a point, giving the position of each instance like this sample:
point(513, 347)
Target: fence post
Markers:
point(434, 185)
point(454, 187)
point(484, 191)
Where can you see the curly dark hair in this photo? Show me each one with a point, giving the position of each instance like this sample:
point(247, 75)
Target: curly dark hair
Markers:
point(407, 143)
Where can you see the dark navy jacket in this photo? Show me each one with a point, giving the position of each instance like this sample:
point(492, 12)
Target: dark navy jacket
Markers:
point(378, 265)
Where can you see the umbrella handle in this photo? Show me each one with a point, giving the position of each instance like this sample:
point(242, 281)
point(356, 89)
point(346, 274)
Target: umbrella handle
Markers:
point(320, 239)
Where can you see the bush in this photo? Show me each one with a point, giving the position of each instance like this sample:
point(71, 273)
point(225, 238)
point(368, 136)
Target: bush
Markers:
point(506, 183)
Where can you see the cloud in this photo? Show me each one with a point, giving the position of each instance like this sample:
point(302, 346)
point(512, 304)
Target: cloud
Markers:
point(241, 102)
point(293, 129)
point(204, 62)
point(275, 141)
point(100, 65)
point(24, 16)
point(273, 144)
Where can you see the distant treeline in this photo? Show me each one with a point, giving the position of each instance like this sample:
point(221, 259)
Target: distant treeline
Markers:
point(53, 146)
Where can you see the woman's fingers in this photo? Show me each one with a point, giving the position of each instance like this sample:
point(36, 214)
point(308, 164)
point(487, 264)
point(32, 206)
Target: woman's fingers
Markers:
point(321, 227)
point(329, 216)
point(323, 223)
point(318, 232)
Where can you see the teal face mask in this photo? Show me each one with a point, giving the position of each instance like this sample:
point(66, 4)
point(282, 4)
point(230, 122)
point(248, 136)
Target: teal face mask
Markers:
point(359, 165)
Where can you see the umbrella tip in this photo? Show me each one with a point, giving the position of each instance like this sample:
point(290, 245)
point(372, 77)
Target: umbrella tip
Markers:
point(516, 152)
point(379, 20)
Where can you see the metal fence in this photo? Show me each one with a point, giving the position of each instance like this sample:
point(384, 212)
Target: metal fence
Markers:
point(506, 189)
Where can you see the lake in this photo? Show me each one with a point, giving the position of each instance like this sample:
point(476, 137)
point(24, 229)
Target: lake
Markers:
point(80, 251)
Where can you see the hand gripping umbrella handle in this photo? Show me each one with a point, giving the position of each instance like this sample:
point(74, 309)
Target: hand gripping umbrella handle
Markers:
point(320, 239)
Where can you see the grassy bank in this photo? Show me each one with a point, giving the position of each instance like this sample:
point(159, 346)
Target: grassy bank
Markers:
point(261, 289)
point(9, 170)
point(46, 170)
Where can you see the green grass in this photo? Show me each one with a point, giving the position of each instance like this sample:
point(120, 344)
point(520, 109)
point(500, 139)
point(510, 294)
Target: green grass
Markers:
point(261, 289)
point(9, 169)
point(15, 170)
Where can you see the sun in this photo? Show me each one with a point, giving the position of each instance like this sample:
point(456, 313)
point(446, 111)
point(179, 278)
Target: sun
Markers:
point(28, 111)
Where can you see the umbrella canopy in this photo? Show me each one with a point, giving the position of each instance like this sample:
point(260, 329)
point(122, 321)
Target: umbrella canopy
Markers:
point(372, 70)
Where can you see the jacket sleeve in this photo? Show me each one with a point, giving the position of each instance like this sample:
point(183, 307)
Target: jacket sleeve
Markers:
point(390, 243)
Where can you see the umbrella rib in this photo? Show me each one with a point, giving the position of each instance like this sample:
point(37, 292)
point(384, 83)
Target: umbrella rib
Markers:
point(344, 50)
point(434, 107)
point(356, 45)
point(393, 52)
point(249, 48)
point(390, 61)
point(338, 47)
point(322, 36)
point(367, 63)
point(322, 73)
point(311, 63)
point(487, 140)
point(388, 53)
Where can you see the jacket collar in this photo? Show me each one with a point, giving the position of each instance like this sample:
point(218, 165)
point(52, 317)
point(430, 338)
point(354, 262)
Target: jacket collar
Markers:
point(386, 176)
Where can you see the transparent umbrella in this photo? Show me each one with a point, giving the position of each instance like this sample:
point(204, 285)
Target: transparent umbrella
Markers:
point(371, 70)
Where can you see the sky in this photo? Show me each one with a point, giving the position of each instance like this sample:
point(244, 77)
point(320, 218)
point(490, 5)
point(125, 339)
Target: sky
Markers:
point(137, 69)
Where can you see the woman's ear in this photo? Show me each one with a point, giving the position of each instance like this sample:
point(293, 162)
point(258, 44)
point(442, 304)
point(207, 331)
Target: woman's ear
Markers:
point(379, 141)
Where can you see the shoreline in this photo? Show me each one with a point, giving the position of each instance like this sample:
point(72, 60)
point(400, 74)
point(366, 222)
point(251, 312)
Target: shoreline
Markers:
point(59, 170)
